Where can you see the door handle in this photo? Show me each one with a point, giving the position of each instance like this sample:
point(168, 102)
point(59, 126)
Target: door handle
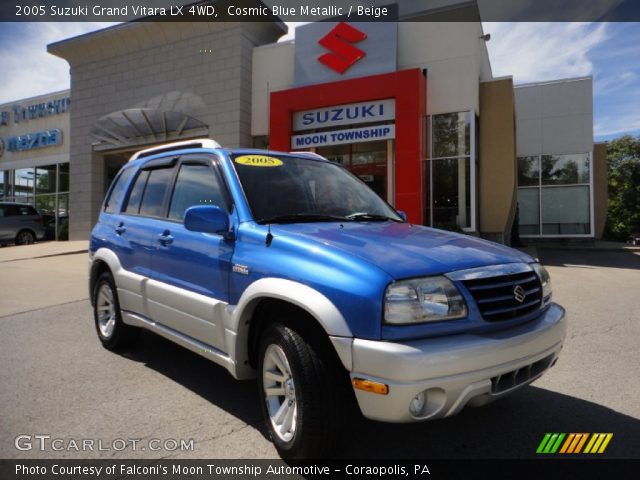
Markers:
point(120, 229)
point(165, 238)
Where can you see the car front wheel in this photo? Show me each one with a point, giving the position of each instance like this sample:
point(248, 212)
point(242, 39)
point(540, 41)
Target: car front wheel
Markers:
point(301, 395)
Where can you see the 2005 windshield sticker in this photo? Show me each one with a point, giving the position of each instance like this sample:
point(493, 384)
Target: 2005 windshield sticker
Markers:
point(259, 161)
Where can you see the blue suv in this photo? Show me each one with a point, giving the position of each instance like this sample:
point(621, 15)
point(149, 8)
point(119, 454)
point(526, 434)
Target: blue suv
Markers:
point(288, 268)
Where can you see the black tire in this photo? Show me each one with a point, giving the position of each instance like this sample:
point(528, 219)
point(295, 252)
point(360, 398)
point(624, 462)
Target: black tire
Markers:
point(321, 402)
point(25, 237)
point(117, 335)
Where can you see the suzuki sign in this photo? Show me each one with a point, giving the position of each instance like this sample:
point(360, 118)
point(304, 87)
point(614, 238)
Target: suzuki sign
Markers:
point(350, 114)
point(342, 54)
point(331, 51)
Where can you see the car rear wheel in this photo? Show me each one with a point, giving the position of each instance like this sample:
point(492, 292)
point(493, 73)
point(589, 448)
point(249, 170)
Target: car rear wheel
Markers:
point(112, 332)
point(301, 395)
point(25, 237)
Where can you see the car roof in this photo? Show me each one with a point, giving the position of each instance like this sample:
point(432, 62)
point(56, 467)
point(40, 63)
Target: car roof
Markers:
point(141, 162)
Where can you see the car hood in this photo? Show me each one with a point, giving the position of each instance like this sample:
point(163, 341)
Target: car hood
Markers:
point(404, 250)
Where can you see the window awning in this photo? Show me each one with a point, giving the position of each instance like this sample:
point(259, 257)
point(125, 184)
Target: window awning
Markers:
point(139, 126)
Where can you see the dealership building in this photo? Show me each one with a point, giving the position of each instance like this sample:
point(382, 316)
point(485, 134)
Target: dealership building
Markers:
point(412, 108)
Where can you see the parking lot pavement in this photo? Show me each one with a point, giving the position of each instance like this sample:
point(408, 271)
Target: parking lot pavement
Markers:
point(35, 283)
point(42, 249)
point(56, 379)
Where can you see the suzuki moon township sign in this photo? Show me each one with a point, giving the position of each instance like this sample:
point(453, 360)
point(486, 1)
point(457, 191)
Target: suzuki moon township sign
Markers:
point(331, 51)
point(346, 136)
point(374, 112)
point(353, 113)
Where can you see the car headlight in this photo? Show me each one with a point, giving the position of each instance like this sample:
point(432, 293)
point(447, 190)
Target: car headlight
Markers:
point(430, 299)
point(545, 280)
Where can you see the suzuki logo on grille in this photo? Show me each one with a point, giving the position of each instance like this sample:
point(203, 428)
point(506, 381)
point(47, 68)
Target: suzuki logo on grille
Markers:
point(519, 294)
point(339, 42)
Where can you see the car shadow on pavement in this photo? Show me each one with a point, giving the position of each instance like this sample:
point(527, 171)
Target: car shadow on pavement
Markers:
point(509, 428)
point(587, 258)
point(203, 377)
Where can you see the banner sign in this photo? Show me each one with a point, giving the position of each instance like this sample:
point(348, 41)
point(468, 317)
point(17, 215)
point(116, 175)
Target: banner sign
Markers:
point(349, 114)
point(341, 137)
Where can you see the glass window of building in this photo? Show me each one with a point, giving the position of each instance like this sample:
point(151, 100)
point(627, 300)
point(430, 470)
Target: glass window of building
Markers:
point(44, 187)
point(450, 172)
point(5, 184)
point(23, 185)
point(554, 195)
point(367, 160)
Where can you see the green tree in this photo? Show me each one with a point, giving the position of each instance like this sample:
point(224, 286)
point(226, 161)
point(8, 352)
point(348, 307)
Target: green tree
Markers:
point(623, 168)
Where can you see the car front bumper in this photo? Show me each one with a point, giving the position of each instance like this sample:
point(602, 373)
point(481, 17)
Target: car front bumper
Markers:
point(455, 370)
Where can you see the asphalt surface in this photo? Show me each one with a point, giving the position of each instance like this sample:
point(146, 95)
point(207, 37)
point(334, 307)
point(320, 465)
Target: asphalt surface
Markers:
point(56, 379)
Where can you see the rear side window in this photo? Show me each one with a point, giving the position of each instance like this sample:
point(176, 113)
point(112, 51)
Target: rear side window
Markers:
point(196, 185)
point(19, 210)
point(118, 191)
point(154, 192)
point(135, 197)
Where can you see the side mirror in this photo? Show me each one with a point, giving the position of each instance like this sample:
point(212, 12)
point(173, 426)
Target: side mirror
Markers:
point(402, 214)
point(207, 219)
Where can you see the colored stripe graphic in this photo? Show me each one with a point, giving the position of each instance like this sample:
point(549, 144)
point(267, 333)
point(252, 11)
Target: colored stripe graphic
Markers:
point(550, 443)
point(553, 443)
point(581, 443)
point(543, 442)
point(598, 442)
point(567, 442)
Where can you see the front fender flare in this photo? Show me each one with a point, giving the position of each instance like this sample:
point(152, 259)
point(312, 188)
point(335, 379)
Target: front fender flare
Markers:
point(308, 299)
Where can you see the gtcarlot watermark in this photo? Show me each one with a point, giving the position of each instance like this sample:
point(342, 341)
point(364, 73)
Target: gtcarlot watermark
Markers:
point(48, 443)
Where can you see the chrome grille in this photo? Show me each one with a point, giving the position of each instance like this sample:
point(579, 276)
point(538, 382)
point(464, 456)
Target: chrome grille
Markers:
point(496, 296)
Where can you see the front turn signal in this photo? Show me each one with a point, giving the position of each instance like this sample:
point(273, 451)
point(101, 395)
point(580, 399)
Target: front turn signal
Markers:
point(370, 386)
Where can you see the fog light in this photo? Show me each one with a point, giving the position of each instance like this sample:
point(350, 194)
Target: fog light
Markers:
point(417, 405)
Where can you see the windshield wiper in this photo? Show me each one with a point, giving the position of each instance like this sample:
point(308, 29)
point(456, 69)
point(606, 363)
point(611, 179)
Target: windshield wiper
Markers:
point(301, 218)
point(373, 217)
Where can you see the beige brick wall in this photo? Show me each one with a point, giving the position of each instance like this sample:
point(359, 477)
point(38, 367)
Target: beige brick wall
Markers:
point(121, 68)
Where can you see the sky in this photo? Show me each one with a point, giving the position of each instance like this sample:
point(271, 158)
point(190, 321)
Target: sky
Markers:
point(530, 52)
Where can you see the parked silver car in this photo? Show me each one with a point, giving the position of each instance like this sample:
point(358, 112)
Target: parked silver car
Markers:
point(20, 224)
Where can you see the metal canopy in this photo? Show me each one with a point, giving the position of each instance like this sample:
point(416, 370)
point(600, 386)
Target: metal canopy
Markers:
point(142, 125)
point(159, 119)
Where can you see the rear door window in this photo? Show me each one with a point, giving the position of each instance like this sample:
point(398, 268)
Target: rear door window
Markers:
point(158, 183)
point(19, 210)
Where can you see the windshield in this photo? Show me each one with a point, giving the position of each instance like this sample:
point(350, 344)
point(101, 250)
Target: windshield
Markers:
point(283, 189)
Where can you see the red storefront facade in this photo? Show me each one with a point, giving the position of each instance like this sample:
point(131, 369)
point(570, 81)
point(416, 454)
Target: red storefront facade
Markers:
point(409, 90)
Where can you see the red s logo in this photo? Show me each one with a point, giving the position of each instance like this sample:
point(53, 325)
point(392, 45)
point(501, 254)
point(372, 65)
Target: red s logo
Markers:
point(339, 42)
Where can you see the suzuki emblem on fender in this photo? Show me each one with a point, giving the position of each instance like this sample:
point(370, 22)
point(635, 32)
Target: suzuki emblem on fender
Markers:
point(519, 294)
point(339, 42)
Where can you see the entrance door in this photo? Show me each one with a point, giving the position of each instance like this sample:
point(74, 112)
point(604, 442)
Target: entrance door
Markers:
point(366, 160)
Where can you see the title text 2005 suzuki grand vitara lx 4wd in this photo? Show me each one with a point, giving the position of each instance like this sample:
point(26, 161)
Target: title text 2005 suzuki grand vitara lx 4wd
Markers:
point(289, 268)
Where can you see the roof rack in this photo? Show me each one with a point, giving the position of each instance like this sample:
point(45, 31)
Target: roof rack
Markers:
point(168, 147)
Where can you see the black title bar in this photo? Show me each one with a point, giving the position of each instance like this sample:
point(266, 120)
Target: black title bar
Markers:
point(317, 10)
